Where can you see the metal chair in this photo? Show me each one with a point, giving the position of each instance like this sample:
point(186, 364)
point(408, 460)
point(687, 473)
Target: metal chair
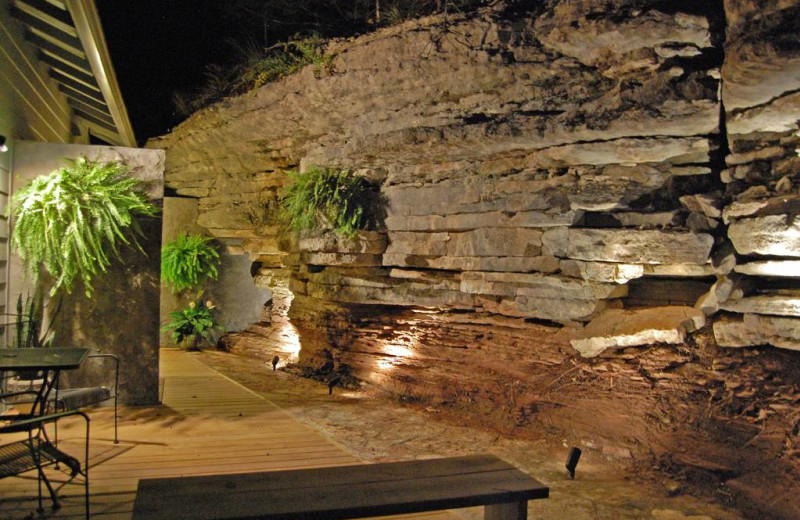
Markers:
point(76, 398)
point(34, 451)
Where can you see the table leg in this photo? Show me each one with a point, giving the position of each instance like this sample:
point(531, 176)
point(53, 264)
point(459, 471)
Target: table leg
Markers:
point(507, 511)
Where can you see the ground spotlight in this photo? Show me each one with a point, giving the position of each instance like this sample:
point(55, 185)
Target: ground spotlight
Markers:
point(573, 457)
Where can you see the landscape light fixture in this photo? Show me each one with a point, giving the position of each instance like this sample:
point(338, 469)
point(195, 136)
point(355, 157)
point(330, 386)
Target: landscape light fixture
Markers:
point(3, 147)
point(573, 457)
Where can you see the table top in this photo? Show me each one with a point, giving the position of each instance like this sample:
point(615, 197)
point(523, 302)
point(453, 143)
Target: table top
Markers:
point(41, 358)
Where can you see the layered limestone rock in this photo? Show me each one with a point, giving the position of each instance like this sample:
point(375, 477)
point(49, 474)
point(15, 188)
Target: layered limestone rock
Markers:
point(755, 330)
point(761, 78)
point(505, 166)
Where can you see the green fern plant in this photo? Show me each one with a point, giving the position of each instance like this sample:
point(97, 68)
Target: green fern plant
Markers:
point(338, 199)
point(73, 220)
point(188, 261)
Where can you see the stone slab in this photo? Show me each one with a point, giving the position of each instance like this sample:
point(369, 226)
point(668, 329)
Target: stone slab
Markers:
point(780, 115)
point(639, 246)
point(561, 310)
point(754, 330)
point(621, 328)
point(544, 264)
point(500, 242)
point(679, 270)
point(776, 235)
point(774, 268)
point(346, 259)
point(602, 271)
point(625, 151)
point(491, 219)
point(538, 286)
point(370, 242)
point(776, 305)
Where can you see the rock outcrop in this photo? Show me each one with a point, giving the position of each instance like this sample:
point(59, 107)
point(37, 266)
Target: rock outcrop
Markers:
point(542, 147)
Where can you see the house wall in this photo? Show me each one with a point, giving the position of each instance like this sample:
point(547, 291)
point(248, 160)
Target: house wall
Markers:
point(31, 106)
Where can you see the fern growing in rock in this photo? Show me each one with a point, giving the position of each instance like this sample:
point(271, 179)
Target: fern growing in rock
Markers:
point(329, 198)
point(73, 220)
point(188, 261)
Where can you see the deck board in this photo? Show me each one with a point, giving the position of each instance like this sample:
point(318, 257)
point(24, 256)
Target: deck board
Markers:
point(207, 424)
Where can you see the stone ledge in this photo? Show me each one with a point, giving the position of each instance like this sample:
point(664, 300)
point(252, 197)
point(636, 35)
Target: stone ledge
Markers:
point(364, 242)
point(538, 286)
point(543, 263)
point(776, 305)
point(620, 328)
point(776, 235)
point(490, 219)
point(775, 268)
point(501, 242)
point(755, 330)
point(635, 246)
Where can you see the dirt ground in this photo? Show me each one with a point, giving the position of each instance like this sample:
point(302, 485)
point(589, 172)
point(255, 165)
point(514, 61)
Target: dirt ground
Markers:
point(375, 428)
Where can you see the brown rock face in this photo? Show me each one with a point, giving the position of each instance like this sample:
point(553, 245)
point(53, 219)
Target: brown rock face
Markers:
point(542, 167)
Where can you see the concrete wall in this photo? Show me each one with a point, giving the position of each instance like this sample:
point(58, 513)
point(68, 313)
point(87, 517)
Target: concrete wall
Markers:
point(122, 316)
point(239, 302)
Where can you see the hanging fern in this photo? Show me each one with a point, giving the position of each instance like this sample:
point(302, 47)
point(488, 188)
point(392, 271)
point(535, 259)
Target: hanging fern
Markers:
point(320, 198)
point(70, 221)
point(188, 261)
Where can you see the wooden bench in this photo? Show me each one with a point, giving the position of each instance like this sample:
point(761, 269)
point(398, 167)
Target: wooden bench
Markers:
point(344, 492)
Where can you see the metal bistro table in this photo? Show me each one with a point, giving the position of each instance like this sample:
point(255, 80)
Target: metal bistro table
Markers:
point(47, 361)
point(45, 364)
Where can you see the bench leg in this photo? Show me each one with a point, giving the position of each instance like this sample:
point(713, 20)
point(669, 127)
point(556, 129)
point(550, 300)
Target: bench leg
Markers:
point(507, 511)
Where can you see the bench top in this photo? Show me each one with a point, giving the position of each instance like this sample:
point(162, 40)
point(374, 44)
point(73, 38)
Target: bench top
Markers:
point(338, 492)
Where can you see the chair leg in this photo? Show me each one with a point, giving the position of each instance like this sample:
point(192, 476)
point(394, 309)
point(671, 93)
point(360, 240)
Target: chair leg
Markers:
point(116, 415)
point(86, 471)
point(36, 454)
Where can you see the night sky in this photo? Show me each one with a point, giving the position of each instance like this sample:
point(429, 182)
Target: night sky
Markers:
point(159, 47)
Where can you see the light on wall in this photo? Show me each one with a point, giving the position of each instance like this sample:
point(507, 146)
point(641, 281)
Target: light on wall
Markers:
point(3, 147)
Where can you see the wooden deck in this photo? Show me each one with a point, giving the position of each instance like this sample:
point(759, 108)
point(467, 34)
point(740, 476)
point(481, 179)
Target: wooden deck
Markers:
point(207, 424)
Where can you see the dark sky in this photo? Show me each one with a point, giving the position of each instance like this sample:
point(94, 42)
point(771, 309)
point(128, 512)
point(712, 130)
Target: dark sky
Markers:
point(159, 47)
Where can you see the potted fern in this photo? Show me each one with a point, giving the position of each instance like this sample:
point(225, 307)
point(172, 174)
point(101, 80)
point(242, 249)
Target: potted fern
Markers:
point(71, 222)
point(186, 264)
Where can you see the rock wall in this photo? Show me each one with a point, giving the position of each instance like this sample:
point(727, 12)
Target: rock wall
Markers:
point(762, 110)
point(525, 175)
point(566, 183)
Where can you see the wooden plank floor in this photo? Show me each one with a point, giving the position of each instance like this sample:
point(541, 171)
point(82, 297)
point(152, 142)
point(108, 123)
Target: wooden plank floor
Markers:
point(207, 424)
